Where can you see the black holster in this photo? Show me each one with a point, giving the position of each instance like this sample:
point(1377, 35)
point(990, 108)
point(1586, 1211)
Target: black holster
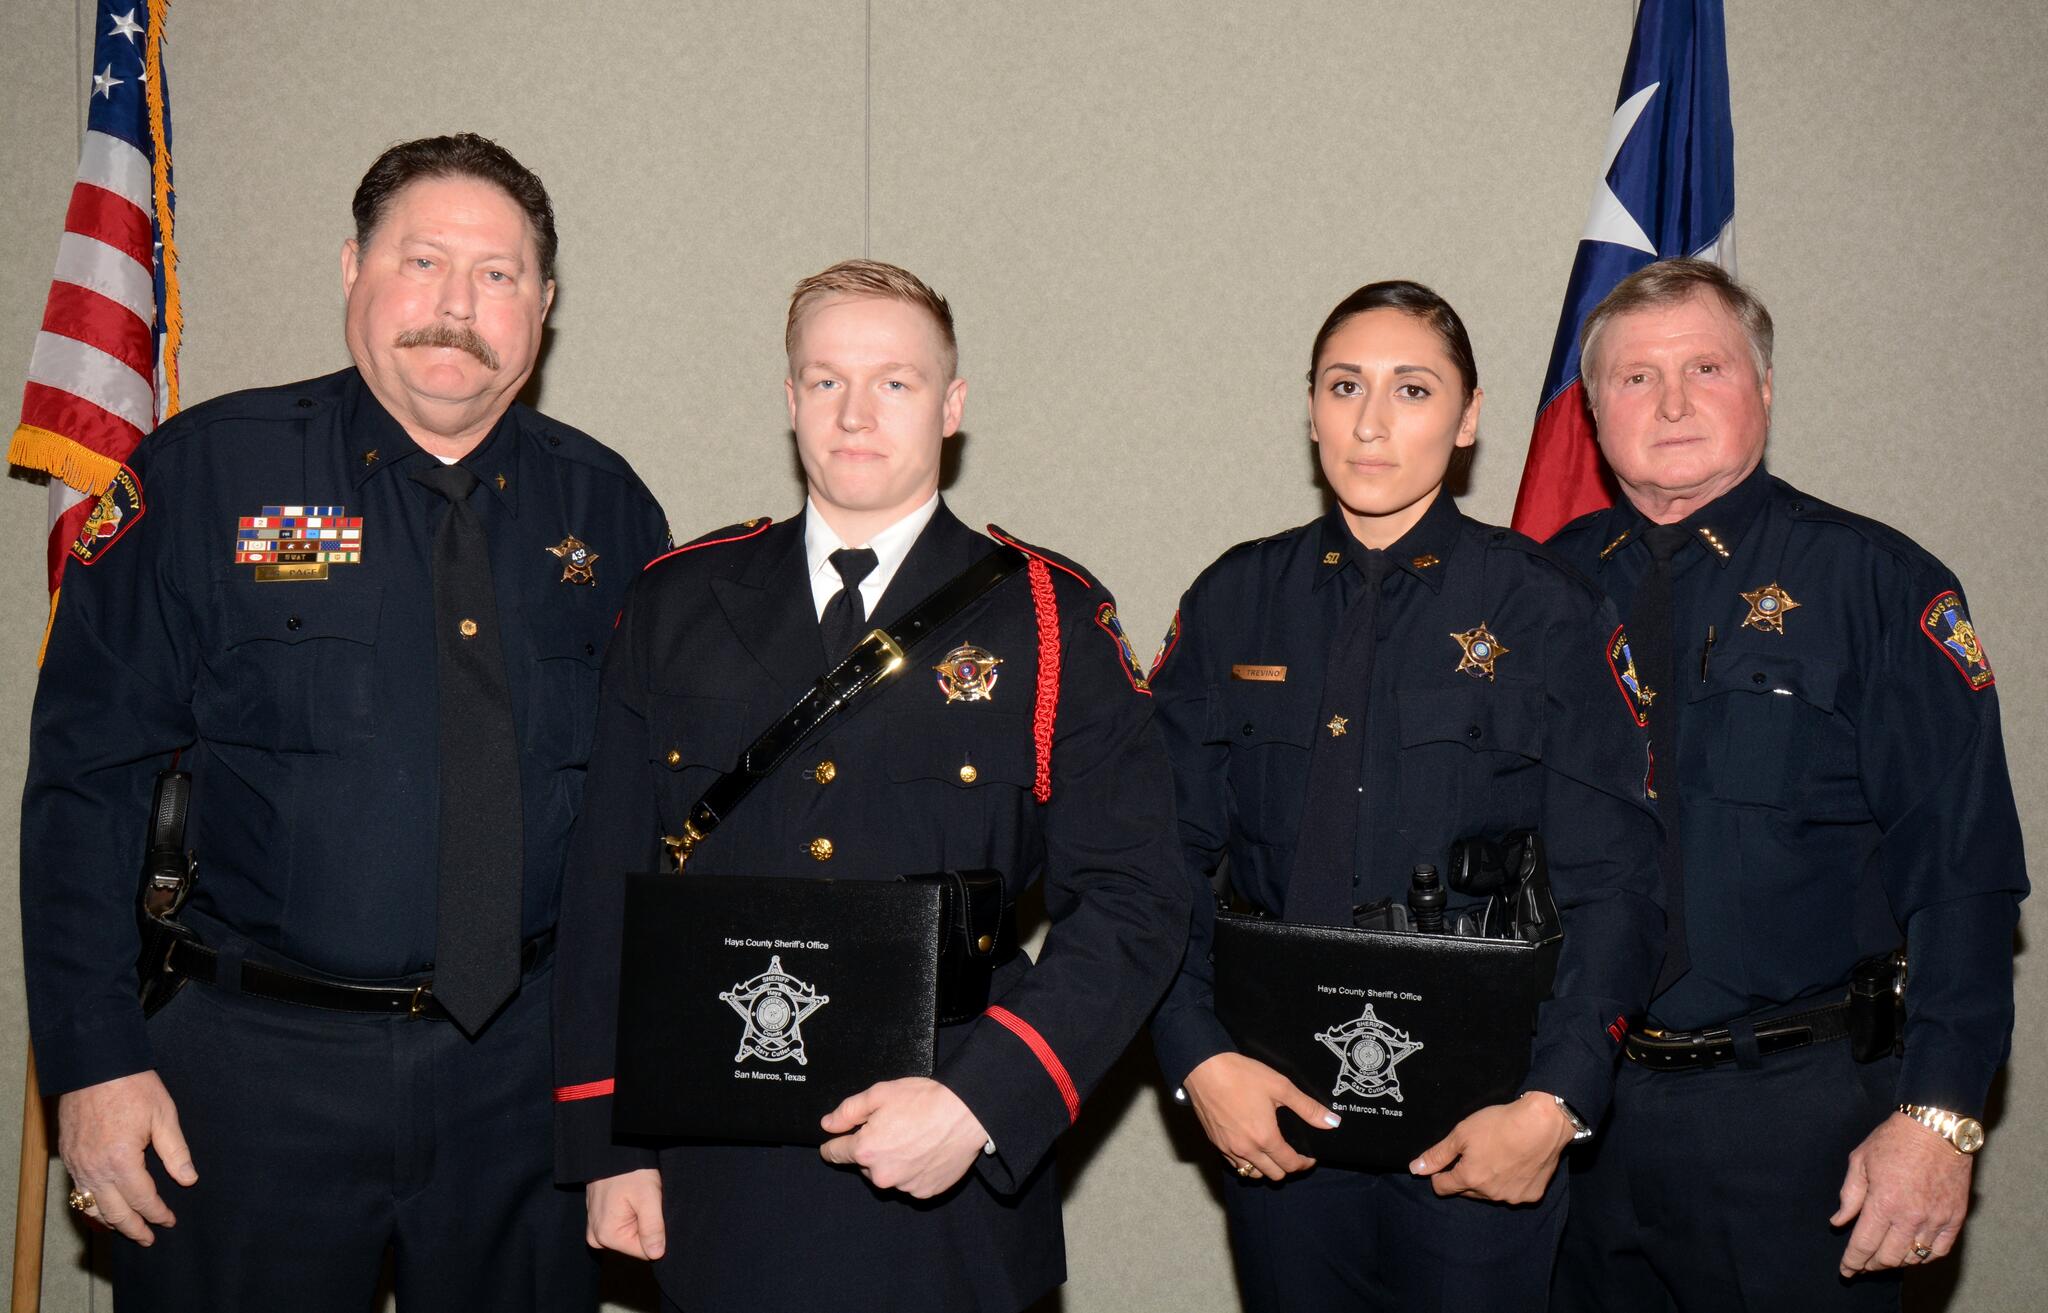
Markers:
point(168, 872)
point(1877, 1006)
point(977, 934)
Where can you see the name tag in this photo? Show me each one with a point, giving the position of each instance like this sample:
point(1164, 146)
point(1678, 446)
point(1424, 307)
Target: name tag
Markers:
point(1265, 674)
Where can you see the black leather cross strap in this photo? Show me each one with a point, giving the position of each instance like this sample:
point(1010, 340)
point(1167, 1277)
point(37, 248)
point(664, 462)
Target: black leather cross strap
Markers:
point(192, 960)
point(872, 663)
point(1684, 1050)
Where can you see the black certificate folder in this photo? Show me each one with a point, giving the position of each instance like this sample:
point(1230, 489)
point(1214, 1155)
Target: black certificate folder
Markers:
point(1402, 1035)
point(749, 1008)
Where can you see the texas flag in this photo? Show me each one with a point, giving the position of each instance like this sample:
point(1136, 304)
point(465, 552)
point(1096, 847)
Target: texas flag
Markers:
point(1666, 188)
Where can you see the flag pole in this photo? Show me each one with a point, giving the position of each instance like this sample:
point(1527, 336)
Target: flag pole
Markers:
point(31, 1196)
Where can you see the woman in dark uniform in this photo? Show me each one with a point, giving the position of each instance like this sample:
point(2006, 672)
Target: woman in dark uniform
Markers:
point(1345, 700)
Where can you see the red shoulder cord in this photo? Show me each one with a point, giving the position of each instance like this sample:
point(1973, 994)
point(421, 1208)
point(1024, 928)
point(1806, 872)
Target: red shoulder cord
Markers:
point(1046, 712)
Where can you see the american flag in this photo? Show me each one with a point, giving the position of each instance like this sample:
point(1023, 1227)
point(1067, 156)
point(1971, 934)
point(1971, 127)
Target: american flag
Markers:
point(1667, 188)
point(105, 369)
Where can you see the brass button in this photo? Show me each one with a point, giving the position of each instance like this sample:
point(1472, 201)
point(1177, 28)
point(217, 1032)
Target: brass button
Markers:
point(968, 774)
point(467, 628)
point(674, 757)
point(821, 849)
point(825, 772)
point(985, 943)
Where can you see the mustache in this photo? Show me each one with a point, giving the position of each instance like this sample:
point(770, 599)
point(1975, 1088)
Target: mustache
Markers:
point(460, 337)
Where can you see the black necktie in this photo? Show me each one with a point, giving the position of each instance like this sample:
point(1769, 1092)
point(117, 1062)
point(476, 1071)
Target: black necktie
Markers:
point(1319, 887)
point(1650, 641)
point(476, 945)
point(845, 619)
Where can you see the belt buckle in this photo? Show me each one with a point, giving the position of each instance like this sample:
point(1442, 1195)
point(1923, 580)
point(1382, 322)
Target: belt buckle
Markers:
point(892, 650)
point(420, 994)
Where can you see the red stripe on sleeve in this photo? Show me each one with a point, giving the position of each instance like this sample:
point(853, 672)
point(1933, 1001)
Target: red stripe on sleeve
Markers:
point(83, 315)
point(596, 1089)
point(1041, 1050)
point(103, 216)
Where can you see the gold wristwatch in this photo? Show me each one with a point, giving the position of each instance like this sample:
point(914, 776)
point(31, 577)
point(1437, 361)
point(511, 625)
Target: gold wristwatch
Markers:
point(1964, 1134)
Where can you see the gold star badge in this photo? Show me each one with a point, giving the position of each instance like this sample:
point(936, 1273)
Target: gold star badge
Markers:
point(1767, 608)
point(578, 561)
point(1336, 726)
point(1481, 649)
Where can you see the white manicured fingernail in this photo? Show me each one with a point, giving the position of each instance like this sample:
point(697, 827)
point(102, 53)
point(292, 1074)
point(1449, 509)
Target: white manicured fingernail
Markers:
point(1332, 1120)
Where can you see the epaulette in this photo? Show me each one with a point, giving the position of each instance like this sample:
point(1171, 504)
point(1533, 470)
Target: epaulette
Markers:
point(571, 443)
point(1051, 558)
point(1511, 540)
point(1877, 533)
point(731, 533)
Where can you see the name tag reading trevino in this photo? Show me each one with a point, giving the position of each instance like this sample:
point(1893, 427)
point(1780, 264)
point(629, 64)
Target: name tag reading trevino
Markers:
point(1262, 674)
point(749, 1008)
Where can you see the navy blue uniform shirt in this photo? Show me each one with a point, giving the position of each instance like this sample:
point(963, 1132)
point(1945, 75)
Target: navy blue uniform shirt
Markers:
point(1548, 742)
point(1841, 775)
point(305, 709)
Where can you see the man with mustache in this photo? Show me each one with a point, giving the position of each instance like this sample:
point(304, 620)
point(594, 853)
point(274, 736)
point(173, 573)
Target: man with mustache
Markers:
point(365, 613)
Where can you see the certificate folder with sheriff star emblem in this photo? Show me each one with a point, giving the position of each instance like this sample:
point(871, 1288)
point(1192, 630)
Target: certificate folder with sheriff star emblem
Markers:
point(1402, 1034)
point(749, 1008)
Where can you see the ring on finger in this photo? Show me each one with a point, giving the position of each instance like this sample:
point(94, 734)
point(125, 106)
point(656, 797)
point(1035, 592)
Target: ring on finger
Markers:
point(83, 1200)
point(1922, 1251)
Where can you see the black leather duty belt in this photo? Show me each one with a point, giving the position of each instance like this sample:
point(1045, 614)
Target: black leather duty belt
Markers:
point(1685, 1050)
point(195, 961)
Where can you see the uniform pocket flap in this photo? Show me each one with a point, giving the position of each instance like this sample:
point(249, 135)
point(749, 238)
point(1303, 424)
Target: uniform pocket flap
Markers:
point(1488, 717)
point(295, 612)
point(689, 731)
point(1812, 680)
point(1252, 713)
point(964, 746)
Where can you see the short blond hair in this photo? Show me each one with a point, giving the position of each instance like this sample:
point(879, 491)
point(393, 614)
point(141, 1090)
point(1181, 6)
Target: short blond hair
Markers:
point(1673, 282)
point(876, 280)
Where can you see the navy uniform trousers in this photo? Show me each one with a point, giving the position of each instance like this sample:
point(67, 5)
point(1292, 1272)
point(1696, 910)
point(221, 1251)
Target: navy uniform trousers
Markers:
point(323, 1139)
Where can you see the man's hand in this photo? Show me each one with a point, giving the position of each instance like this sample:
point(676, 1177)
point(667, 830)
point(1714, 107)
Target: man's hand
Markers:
point(913, 1135)
point(1237, 1101)
point(102, 1131)
point(1906, 1187)
point(1506, 1153)
point(625, 1214)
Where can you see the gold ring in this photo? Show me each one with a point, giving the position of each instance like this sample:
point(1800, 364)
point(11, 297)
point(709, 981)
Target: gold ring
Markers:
point(1244, 1169)
point(83, 1200)
point(1921, 1253)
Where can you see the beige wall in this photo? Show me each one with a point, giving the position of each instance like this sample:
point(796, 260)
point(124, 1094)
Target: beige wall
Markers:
point(1141, 212)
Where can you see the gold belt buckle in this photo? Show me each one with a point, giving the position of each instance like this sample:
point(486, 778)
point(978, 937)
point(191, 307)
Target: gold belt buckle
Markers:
point(418, 1007)
point(889, 646)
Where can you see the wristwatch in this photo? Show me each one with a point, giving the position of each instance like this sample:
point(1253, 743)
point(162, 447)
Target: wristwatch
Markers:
point(1580, 1131)
point(1964, 1134)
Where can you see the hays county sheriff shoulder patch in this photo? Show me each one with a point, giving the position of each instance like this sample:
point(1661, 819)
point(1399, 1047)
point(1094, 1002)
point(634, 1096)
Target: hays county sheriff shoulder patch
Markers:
point(113, 514)
point(1105, 620)
point(1622, 661)
point(1948, 627)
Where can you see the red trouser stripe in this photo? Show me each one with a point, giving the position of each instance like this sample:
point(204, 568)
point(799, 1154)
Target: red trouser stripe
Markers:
point(596, 1089)
point(1041, 1050)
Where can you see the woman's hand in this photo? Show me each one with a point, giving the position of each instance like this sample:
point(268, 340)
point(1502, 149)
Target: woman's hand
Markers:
point(1506, 1153)
point(1237, 1099)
